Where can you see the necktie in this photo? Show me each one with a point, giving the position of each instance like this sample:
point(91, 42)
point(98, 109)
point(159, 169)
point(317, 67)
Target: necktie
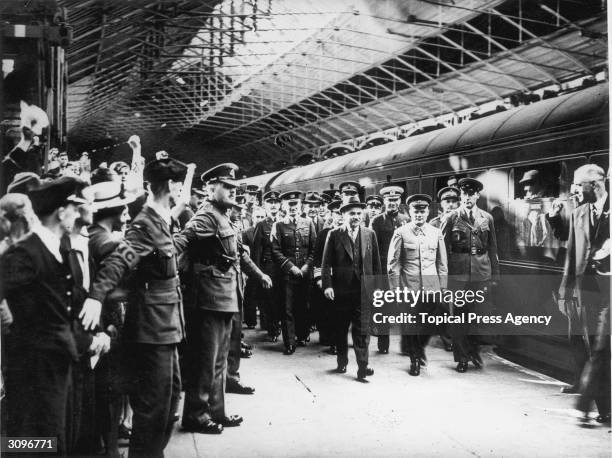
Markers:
point(594, 215)
point(471, 217)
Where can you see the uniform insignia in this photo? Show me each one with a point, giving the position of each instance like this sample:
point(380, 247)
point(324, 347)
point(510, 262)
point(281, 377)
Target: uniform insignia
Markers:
point(127, 254)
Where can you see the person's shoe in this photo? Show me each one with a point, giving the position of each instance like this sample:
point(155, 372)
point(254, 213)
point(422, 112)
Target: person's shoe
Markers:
point(383, 351)
point(301, 343)
point(245, 345)
point(423, 360)
point(476, 361)
point(208, 427)
point(603, 419)
point(231, 421)
point(363, 373)
point(415, 367)
point(238, 388)
point(341, 369)
point(462, 367)
point(289, 350)
point(332, 350)
point(572, 389)
point(244, 353)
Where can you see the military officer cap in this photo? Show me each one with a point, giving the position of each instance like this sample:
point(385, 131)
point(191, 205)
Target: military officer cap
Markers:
point(418, 201)
point(448, 192)
point(351, 202)
point(331, 193)
point(470, 185)
point(334, 205)
point(53, 194)
point(374, 198)
point(252, 189)
point(271, 196)
point(529, 176)
point(350, 187)
point(392, 192)
point(199, 192)
point(222, 173)
point(312, 198)
point(165, 169)
point(291, 195)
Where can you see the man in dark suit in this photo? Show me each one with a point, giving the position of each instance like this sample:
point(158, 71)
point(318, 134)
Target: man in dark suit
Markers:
point(251, 289)
point(585, 292)
point(351, 256)
point(38, 282)
point(384, 226)
point(154, 322)
point(218, 258)
point(312, 206)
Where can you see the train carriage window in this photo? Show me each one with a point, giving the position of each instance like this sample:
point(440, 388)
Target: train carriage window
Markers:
point(534, 227)
point(602, 160)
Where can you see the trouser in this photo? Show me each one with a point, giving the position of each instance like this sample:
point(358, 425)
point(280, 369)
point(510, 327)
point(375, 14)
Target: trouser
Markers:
point(269, 300)
point(205, 397)
point(250, 301)
point(37, 390)
point(347, 312)
point(81, 428)
point(465, 346)
point(418, 334)
point(154, 398)
point(595, 380)
point(233, 357)
point(294, 313)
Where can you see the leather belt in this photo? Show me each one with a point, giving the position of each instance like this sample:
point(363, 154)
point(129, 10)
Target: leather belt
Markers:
point(472, 251)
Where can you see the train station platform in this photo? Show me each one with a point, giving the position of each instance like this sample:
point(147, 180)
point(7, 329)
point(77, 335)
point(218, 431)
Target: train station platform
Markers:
point(302, 409)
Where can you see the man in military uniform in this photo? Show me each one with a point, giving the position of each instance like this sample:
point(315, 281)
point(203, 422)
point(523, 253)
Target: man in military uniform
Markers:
point(154, 323)
point(293, 243)
point(449, 201)
point(262, 256)
point(384, 226)
point(218, 260)
point(417, 261)
point(374, 206)
point(469, 235)
point(350, 189)
point(252, 197)
point(312, 206)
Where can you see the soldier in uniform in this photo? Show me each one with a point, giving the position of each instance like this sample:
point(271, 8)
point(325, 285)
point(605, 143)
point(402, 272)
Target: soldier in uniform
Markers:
point(252, 197)
point(293, 243)
point(349, 188)
point(374, 206)
point(449, 201)
point(218, 259)
point(384, 226)
point(262, 256)
point(312, 206)
point(469, 235)
point(154, 323)
point(417, 261)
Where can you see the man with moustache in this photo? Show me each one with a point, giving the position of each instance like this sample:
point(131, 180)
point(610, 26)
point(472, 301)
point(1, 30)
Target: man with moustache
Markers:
point(312, 206)
point(262, 256)
point(469, 235)
point(218, 259)
point(293, 242)
point(417, 261)
point(350, 262)
point(585, 291)
point(384, 225)
point(449, 201)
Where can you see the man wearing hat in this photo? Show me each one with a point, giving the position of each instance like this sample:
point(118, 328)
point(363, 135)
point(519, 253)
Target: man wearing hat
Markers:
point(218, 259)
point(38, 284)
point(252, 193)
point(293, 243)
point(262, 256)
point(471, 245)
point(154, 323)
point(449, 201)
point(312, 207)
point(110, 215)
point(374, 206)
point(384, 226)
point(24, 182)
point(532, 185)
point(350, 188)
point(417, 261)
point(320, 304)
point(350, 260)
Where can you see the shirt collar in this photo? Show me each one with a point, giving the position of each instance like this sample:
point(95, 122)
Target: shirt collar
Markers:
point(165, 213)
point(49, 240)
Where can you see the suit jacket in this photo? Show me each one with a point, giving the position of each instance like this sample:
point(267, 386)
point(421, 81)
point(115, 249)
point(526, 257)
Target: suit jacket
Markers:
point(338, 257)
point(293, 244)
point(155, 313)
point(580, 250)
point(416, 261)
point(384, 225)
point(218, 257)
point(318, 255)
point(39, 291)
point(261, 254)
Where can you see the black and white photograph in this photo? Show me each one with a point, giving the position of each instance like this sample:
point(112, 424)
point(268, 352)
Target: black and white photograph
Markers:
point(305, 228)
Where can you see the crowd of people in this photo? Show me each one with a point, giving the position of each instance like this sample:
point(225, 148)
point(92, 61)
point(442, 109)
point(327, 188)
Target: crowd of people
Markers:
point(124, 285)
